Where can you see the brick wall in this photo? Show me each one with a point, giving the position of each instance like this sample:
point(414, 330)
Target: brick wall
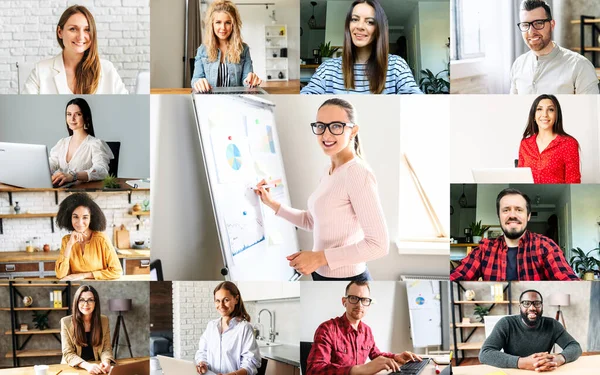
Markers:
point(114, 205)
point(28, 34)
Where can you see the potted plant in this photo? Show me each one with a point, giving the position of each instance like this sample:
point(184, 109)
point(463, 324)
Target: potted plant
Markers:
point(433, 83)
point(585, 263)
point(110, 182)
point(477, 230)
point(326, 51)
point(480, 313)
point(40, 320)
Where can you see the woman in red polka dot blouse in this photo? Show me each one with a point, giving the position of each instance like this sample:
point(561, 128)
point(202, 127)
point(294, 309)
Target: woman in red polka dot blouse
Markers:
point(551, 153)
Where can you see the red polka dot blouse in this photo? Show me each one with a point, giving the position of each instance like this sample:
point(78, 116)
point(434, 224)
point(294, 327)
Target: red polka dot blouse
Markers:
point(558, 163)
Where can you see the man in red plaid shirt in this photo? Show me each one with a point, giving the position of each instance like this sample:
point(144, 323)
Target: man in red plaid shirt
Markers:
point(341, 345)
point(517, 255)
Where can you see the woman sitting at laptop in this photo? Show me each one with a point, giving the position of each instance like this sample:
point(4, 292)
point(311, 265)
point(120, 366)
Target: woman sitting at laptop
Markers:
point(86, 253)
point(223, 59)
point(551, 153)
point(85, 335)
point(80, 156)
point(228, 346)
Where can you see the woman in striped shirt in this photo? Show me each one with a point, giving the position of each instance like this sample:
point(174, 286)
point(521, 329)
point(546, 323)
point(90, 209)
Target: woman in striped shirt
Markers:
point(344, 212)
point(365, 66)
point(224, 59)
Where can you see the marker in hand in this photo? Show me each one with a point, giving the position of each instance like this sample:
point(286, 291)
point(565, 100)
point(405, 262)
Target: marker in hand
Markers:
point(266, 186)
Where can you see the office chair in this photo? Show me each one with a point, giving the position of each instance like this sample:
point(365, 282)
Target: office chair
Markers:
point(516, 163)
point(23, 72)
point(263, 367)
point(113, 164)
point(156, 272)
point(305, 347)
point(192, 62)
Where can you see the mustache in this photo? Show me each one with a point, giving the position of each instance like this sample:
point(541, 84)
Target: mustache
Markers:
point(511, 219)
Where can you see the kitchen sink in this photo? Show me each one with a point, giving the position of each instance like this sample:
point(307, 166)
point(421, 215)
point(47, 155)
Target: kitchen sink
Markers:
point(265, 344)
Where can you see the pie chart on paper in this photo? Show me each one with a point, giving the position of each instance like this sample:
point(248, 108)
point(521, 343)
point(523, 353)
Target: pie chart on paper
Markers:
point(234, 157)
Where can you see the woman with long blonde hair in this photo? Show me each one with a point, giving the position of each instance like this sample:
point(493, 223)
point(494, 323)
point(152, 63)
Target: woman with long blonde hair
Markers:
point(78, 69)
point(223, 59)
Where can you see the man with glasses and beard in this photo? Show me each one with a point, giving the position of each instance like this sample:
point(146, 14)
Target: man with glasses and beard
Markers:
point(528, 338)
point(342, 345)
point(517, 255)
point(548, 68)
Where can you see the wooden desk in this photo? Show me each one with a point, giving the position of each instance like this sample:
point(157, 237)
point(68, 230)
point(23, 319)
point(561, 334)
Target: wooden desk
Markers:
point(585, 365)
point(145, 277)
point(88, 186)
point(278, 87)
point(66, 369)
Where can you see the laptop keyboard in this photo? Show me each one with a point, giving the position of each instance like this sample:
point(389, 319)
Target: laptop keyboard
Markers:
point(411, 368)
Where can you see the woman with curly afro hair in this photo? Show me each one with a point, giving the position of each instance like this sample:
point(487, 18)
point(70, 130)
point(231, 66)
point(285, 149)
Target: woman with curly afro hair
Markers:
point(86, 253)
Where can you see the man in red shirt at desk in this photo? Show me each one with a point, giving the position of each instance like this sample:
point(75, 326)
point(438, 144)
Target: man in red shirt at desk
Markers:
point(342, 345)
point(517, 255)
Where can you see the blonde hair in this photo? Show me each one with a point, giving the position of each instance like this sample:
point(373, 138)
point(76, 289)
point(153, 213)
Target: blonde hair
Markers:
point(87, 72)
point(235, 47)
point(352, 117)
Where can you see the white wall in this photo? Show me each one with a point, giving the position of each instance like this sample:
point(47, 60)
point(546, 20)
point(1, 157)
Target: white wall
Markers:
point(29, 35)
point(585, 211)
point(41, 120)
point(486, 203)
point(487, 131)
point(167, 43)
point(411, 31)
point(434, 29)
point(287, 315)
point(336, 18)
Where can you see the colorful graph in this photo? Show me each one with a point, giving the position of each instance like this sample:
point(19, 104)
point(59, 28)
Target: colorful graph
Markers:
point(234, 157)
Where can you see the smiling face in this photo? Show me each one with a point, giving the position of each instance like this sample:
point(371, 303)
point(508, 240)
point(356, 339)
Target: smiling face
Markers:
point(225, 302)
point(80, 219)
point(222, 25)
point(513, 215)
point(356, 311)
point(86, 308)
point(531, 315)
point(75, 34)
point(74, 117)
point(334, 144)
point(537, 40)
point(545, 115)
point(362, 25)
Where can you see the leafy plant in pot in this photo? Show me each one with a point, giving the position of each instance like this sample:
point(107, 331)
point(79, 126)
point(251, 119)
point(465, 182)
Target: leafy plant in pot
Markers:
point(585, 263)
point(40, 320)
point(326, 51)
point(480, 313)
point(110, 182)
point(477, 230)
point(434, 83)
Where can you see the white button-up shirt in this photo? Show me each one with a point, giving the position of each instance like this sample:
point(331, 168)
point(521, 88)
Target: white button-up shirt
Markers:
point(92, 157)
point(230, 351)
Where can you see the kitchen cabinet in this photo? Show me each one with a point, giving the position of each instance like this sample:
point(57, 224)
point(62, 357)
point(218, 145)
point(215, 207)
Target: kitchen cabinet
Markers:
point(280, 368)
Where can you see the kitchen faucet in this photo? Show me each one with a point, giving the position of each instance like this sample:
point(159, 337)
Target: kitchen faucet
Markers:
point(272, 332)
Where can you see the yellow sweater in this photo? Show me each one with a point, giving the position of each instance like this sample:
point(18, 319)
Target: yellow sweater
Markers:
point(98, 257)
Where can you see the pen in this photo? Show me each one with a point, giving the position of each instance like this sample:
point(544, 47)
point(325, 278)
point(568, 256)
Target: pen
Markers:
point(437, 369)
point(58, 372)
point(267, 186)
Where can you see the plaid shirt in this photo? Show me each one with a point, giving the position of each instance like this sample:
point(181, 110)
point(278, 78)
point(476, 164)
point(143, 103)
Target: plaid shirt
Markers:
point(538, 258)
point(338, 347)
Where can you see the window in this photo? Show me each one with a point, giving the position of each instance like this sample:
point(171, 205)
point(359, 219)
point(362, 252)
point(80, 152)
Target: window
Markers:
point(466, 29)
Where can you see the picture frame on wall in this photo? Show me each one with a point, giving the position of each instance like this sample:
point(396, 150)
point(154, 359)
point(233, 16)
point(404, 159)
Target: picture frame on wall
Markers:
point(494, 232)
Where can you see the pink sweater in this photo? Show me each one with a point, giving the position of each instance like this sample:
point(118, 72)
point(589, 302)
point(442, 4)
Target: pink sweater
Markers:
point(347, 219)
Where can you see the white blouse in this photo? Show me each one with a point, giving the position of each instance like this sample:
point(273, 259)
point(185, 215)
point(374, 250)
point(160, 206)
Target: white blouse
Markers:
point(91, 157)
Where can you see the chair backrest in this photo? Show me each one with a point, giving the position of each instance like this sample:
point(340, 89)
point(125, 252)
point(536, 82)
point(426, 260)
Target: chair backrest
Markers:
point(192, 66)
point(142, 83)
point(263, 367)
point(113, 164)
point(23, 72)
point(490, 322)
point(516, 163)
point(305, 347)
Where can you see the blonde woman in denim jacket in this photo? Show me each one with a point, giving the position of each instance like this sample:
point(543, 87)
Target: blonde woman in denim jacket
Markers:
point(223, 60)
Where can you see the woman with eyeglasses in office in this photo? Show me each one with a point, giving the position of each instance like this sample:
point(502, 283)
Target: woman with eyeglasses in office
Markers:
point(86, 253)
point(78, 69)
point(551, 153)
point(80, 156)
point(228, 346)
point(85, 335)
point(223, 60)
point(344, 212)
point(366, 67)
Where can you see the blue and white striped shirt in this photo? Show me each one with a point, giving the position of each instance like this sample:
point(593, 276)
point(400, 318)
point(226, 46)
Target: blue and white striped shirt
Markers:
point(328, 79)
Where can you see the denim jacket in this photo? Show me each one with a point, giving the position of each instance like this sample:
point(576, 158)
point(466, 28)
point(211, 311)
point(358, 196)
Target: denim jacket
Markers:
point(236, 73)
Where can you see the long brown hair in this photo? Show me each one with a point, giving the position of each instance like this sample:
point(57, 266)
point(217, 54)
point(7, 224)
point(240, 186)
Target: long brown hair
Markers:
point(239, 310)
point(77, 318)
point(235, 46)
point(377, 64)
point(532, 126)
point(352, 117)
point(87, 72)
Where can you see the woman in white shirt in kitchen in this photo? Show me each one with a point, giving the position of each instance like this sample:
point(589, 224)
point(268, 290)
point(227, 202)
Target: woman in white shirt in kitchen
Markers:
point(77, 69)
point(227, 346)
point(80, 156)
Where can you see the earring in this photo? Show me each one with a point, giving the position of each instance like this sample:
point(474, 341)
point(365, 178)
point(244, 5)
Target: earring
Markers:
point(85, 126)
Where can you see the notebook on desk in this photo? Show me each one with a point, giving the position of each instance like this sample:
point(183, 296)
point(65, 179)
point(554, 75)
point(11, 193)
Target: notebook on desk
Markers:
point(503, 175)
point(173, 366)
point(237, 90)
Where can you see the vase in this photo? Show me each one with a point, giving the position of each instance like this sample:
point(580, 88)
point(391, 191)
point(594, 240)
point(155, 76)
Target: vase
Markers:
point(477, 239)
point(17, 208)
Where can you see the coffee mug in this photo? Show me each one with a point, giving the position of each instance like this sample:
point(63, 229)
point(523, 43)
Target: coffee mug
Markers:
point(41, 369)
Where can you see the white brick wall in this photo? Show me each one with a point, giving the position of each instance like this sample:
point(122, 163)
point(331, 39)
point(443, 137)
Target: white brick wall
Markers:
point(28, 34)
point(114, 205)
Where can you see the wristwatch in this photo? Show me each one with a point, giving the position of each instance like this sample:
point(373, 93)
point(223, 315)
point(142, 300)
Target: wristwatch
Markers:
point(74, 175)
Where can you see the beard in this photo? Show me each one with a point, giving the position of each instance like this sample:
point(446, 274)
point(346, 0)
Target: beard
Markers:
point(513, 234)
point(529, 322)
point(544, 41)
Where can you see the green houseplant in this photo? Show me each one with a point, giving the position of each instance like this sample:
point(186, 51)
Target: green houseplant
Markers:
point(480, 313)
point(477, 230)
point(40, 320)
point(110, 182)
point(585, 263)
point(434, 83)
point(326, 51)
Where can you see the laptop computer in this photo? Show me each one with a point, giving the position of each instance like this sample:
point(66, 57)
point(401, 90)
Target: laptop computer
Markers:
point(26, 165)
point(241, 90)
point(141, 367)
point(173, 366)
point(503, 175)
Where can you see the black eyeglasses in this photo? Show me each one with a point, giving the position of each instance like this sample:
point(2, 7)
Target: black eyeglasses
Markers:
point(335, 128)
point(364, 300)
point(527, 304)
point(537, 24)
point(90, 301)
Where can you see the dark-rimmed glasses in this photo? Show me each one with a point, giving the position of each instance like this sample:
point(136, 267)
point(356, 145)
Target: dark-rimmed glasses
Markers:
point(90, 301)
point(537, 24)
point(527, 304)
point(335, 128)
point(364, 300)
